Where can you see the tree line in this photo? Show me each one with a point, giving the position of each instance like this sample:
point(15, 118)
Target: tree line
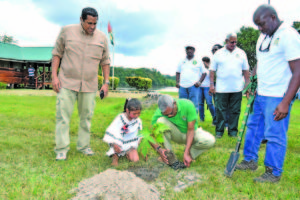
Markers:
point(158, 79)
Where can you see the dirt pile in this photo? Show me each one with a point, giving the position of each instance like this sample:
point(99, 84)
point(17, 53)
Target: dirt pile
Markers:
point(113, 184)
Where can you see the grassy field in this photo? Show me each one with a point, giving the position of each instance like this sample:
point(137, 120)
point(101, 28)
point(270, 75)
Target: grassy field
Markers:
point(28, 169)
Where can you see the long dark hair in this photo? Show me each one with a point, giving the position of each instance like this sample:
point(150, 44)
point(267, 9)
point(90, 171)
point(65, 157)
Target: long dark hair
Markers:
point(132, 104)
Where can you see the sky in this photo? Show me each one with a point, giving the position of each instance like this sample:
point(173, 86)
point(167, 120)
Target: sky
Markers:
point(149, 33)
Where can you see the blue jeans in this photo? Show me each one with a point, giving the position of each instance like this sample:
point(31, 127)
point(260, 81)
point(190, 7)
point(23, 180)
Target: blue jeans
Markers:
point(190, 93)
point(203, 94)
point(261, 125)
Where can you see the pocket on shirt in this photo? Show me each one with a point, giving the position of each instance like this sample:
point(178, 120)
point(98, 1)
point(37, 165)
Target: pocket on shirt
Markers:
point(96, 50)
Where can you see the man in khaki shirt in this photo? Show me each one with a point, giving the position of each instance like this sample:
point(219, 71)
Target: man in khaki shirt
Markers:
point(79, 50)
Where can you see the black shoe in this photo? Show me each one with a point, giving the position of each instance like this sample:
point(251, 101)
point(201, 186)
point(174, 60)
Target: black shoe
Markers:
point(267, 177)
point(232, 135)
point(245, 165)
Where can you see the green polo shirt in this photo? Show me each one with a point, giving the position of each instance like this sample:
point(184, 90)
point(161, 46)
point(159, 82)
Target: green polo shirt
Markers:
point(186, 113)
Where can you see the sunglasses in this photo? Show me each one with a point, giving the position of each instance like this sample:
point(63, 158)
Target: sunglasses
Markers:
point(268, 48)
point(233, 42)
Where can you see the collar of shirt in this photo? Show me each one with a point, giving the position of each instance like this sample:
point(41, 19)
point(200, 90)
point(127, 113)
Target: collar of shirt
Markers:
point(178, 107)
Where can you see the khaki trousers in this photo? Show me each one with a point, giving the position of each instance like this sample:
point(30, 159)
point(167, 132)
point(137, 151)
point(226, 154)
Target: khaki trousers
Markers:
point(203, 140)
point(64, 108)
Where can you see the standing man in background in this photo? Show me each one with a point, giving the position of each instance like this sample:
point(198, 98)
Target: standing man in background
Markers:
point(278, 79)
point(31, 71)
point(214, 49)
point(204, 94)
point(189, 77)
point(231, 66)
point(80, 48)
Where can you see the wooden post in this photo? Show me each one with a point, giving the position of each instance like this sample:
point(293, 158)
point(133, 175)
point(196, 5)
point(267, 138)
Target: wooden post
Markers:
point(44, 76)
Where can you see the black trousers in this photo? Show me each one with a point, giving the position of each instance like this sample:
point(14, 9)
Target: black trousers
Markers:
point(232, 102)
point(31, 80)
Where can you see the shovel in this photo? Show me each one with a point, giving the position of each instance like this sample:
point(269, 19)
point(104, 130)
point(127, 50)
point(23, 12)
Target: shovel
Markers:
point(234, 157)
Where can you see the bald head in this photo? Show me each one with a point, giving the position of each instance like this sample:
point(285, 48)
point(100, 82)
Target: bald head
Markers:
point(266, 18)
point(265, 10)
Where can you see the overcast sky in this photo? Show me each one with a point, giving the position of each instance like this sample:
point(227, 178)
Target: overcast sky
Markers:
point(149, 33)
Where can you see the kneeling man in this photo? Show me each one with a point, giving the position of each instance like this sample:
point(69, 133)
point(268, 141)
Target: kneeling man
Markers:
point(181, 117)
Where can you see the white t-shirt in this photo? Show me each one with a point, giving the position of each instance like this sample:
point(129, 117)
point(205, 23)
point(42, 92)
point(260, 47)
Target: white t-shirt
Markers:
point(190, 72)
point(229, 68)
point(206, 81)
point(273, 70)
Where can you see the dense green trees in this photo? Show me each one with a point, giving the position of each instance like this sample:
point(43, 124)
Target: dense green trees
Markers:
point(158, 79)
point(247, 38)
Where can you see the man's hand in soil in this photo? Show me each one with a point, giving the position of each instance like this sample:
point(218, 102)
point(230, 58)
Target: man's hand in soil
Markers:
point(117, 148)
point(163, 155)
point(187, 159)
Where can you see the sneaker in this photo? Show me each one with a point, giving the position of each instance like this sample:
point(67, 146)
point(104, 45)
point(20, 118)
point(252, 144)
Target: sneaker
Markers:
point(268, 176)
point(61, 156)
point(245, 165)
point(88, 152)
point(218, 135)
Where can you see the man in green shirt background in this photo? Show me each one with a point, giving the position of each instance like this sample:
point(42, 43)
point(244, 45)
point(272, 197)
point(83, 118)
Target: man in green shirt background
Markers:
point(181, 117)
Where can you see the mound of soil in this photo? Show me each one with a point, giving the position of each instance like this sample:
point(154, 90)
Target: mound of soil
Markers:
point(112, 184)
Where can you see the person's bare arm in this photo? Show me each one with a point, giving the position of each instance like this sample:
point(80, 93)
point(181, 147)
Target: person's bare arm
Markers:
point(246, 75)
point(282, 109)
point(161, 152)
point(198, 84)
point(254, 70)
point(187, 159)
point(212, 85)
point(105, 87)
point(55, 81)
point(177, 79)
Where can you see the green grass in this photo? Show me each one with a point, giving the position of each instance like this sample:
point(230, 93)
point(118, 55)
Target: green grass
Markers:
point(28, 169)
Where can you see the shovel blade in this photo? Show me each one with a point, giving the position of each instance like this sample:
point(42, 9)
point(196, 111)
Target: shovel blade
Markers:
point(230, 167)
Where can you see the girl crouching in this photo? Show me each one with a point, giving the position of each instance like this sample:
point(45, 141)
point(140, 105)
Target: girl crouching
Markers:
point(122, 133)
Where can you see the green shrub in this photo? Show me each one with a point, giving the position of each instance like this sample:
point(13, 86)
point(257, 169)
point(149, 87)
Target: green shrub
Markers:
point(139, 83)
point(3, 86)
point(116, 82)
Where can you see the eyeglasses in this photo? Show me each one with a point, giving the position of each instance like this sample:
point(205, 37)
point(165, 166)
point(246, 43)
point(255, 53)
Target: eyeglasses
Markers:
point(268, 48)
point(233, 42)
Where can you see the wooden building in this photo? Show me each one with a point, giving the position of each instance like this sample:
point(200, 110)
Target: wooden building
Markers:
point(15, 61)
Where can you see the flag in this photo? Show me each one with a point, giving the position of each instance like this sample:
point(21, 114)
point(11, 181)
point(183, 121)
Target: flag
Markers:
point(111, 36)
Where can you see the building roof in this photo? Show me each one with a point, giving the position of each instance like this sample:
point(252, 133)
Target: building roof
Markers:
point(25, 54)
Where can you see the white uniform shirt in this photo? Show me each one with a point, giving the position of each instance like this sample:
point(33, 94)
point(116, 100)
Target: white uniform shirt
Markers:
point(273, 70)
point(229, 68)
point(190, 72)
point(206, 81)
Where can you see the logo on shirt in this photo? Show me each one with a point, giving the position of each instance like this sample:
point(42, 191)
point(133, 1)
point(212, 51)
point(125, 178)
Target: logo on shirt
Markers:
point(184, 118)
point(194, 62)
point(276, 42)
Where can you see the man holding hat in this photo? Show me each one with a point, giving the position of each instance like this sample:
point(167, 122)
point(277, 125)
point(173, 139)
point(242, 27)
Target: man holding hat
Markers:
point(189, 76)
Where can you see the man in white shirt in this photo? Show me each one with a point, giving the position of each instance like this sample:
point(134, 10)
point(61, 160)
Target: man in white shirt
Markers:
point(189, 76)
point(204, 93)
point(278, 79)
point(231, 67)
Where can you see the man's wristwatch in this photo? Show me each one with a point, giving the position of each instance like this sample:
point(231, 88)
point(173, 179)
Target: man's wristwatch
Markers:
point(106, 82)
point(157, 148)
